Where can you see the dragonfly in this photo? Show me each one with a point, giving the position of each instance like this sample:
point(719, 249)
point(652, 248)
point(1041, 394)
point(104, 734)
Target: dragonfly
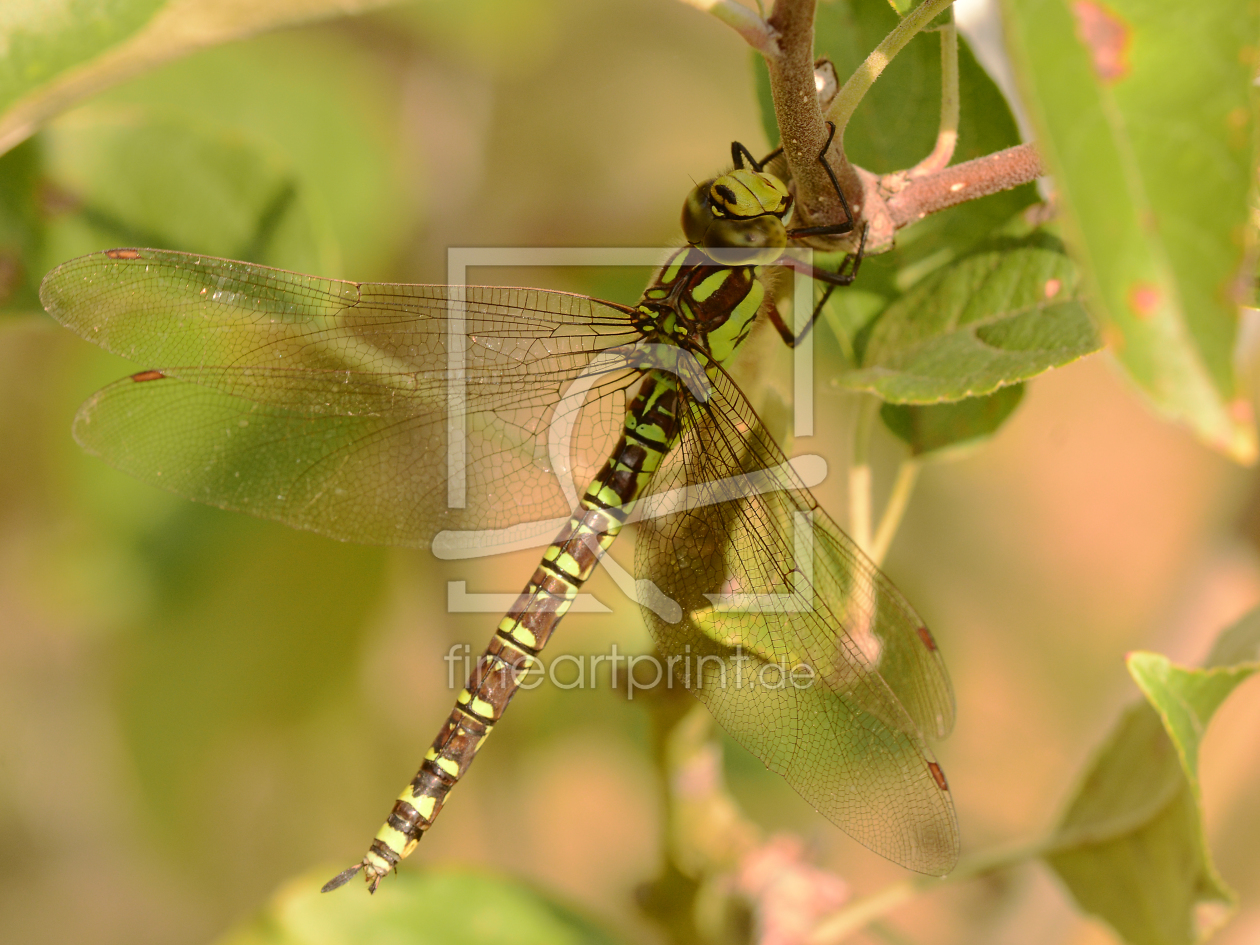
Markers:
point(391, 414)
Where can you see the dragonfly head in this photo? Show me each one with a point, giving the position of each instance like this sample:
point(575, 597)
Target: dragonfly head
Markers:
point(743, 210)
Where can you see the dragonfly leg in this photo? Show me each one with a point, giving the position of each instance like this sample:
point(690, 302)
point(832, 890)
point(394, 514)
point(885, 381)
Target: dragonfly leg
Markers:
point(829, 229)
point(848, 268)
point(841, 277)
point(740, 154)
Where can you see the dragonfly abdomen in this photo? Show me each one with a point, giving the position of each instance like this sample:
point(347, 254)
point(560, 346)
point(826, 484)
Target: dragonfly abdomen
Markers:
point(651, 427)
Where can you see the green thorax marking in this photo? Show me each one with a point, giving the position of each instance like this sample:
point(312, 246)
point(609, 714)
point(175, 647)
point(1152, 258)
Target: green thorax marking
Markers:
point(703, 306)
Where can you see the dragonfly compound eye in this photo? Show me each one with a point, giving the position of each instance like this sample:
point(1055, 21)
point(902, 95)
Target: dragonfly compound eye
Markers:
point(754, 242)
point(697, 213)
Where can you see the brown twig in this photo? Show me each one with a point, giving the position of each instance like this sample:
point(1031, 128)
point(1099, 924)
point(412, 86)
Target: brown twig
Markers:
point(800, 117)
point(915, 198)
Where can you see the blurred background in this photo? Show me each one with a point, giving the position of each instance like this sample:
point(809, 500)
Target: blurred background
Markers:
point(196, 706)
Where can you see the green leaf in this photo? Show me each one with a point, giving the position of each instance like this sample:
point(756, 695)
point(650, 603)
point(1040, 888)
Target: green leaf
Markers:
point(58, 54)
point(434, 907)
point(1143, 113)
point(1185, 700)
point(1132, 851)
point(934, 427)
point(1131, 846)
point(1006, 312)
point(143, 177)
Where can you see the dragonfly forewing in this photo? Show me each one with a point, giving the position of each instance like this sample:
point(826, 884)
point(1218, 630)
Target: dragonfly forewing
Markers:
point(329, 405)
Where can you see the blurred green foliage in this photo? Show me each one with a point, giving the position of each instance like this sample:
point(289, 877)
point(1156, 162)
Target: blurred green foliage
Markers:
point(45, 40)
point(510, 913)
point(195, 706)
point(21, 227)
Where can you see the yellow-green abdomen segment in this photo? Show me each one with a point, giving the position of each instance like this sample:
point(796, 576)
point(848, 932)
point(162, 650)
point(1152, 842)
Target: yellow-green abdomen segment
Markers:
point(650, 429)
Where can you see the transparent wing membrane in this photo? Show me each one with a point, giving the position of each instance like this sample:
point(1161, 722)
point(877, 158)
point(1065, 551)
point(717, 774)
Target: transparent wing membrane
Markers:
point(327, 405)
point(797, 644)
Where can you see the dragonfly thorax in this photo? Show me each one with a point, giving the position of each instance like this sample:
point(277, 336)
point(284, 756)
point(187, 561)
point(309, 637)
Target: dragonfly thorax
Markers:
point(742, 210)
point(701, 306)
